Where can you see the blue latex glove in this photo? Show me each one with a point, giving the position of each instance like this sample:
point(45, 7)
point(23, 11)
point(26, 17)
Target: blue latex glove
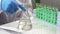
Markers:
point(11, 6)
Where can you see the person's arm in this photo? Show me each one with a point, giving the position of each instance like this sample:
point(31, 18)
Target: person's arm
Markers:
point(11, 6)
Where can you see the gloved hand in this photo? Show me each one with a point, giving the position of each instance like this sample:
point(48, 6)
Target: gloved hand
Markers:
point(11, 6)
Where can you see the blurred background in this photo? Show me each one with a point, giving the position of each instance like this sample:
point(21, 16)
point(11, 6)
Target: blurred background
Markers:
point(39, 25)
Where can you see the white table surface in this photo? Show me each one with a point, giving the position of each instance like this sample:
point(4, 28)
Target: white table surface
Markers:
point(39, 27)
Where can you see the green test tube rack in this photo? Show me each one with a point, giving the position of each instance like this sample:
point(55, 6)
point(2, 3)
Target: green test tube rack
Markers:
point(47, 13)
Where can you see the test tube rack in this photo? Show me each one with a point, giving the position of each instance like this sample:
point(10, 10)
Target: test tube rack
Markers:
point(47, 13)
